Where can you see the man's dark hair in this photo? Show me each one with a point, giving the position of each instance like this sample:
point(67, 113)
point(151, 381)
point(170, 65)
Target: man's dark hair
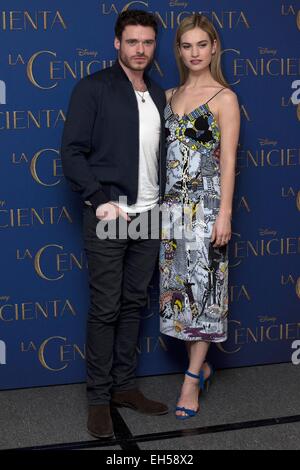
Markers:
point(134, 18)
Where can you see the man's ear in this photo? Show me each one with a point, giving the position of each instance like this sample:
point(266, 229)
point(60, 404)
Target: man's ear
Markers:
point(117, 44)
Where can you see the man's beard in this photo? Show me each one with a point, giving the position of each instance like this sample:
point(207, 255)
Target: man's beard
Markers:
point(135, 67)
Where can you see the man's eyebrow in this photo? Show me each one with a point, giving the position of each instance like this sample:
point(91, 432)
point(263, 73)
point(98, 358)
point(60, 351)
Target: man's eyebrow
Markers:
point(134, 39)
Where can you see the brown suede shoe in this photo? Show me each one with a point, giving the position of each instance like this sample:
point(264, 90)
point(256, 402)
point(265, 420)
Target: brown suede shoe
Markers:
point(99, 421)
point(135, 400)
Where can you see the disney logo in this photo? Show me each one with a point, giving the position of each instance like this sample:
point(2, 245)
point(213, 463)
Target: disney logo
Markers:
point(267, 231)
point(265, 50)
point(86, 52)
point(177, 3)
point(267, 319)
point(267, 142)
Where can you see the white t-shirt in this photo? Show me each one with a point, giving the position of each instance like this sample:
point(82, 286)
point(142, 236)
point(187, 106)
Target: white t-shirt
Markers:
point(149, 133)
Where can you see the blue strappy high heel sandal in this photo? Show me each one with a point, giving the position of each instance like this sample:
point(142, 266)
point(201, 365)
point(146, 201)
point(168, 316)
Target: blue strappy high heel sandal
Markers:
point(191, 413)
point(208, 380)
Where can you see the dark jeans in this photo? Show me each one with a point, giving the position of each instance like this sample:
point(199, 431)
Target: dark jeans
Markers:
point(120, 271)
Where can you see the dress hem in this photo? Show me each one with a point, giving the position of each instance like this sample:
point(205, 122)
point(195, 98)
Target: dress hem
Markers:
point(197, 338)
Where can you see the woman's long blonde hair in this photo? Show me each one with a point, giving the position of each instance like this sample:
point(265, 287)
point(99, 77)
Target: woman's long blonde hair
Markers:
point(200, 21)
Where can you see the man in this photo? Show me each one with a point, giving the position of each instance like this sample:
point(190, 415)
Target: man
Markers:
point(113, 148)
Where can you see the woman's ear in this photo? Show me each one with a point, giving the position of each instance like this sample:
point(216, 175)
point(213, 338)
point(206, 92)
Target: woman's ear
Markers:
point(214, 47)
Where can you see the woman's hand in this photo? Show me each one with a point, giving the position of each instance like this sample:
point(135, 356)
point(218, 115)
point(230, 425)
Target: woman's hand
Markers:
point(221, 232)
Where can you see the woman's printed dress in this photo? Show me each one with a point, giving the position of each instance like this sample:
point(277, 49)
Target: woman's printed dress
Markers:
point(193, 274)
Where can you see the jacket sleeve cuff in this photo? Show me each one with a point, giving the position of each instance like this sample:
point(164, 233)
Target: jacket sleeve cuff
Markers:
point(98, 198)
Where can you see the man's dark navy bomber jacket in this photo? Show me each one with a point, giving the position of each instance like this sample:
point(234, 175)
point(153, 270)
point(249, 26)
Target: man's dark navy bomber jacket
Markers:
point(100, 144)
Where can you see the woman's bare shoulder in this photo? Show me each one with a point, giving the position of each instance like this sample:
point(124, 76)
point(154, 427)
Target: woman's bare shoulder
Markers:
point(170, 93)
point(228, 96)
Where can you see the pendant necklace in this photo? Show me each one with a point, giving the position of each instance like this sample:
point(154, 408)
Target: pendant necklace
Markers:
point(141, 96)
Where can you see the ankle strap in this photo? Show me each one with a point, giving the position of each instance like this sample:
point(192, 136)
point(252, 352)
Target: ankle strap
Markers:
point(192, 375)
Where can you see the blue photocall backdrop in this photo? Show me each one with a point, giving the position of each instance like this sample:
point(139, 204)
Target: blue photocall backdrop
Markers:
point(46, 47)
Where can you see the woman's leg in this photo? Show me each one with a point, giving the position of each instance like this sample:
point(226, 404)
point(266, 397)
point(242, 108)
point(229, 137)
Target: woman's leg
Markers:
point(189, 397)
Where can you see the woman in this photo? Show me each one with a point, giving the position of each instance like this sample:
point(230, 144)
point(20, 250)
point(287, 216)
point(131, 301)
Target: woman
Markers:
point(202, 124)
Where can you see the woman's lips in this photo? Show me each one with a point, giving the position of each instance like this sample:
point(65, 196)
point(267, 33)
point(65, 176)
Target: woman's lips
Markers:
point(195, 62)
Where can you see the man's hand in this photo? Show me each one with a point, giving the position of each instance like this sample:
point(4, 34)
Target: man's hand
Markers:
point(110, 211)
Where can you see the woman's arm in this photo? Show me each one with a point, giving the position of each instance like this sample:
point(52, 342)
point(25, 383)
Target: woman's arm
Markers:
point(229, 123)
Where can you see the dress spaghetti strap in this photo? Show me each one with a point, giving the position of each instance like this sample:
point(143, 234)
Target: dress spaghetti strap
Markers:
point(215, 95)
point(173, 92)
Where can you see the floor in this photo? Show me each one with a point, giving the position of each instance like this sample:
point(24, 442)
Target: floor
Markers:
point(245, 408)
